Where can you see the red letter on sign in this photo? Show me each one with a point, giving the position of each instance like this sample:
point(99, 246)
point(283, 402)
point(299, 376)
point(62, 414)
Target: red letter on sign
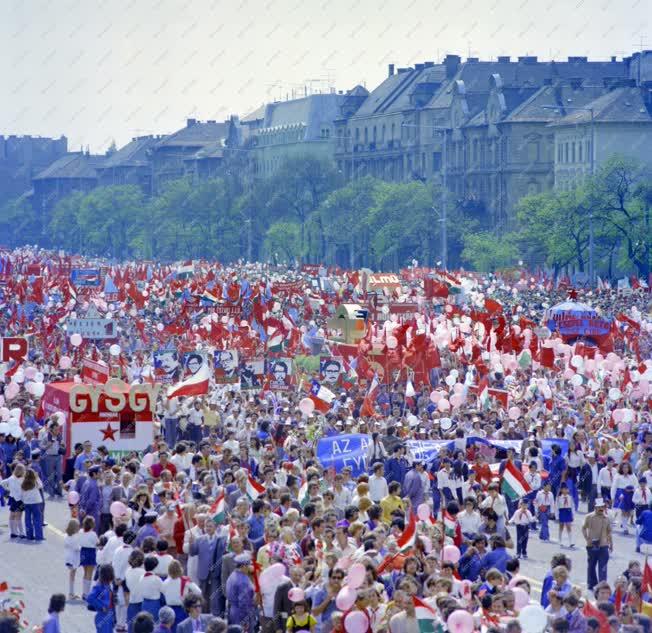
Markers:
point(14, 348)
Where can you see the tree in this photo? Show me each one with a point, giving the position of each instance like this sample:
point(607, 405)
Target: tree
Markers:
point(487, 252)
point(299, 187)
point(621, 193)
point(19, 223)
point(283, 239)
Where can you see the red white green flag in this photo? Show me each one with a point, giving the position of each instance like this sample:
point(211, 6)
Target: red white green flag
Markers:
point(409, 536)
point(426, 616)
point(254, 489)
point(514, 484)
point(218, 509)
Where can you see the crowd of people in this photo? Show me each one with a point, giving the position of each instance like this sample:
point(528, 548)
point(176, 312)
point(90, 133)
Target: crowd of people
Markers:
point(228, 520)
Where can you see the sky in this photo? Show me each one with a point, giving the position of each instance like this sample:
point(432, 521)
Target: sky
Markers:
point(99, 71)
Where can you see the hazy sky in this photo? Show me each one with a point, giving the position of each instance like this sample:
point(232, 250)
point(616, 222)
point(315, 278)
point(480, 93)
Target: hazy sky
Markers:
point(100, 70)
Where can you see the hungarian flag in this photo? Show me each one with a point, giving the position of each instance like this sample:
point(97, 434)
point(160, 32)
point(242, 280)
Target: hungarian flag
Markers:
point(514, 484)
point(321, 396)
point(195, 385)
point(303, 494)
point(218, 509)
point(452, 529)
point(426, 617)
point(483, 392)
point(409, 536)
point(254, 489)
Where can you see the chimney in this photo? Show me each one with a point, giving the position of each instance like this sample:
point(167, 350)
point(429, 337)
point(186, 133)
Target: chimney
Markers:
point(191, 122)
point(613, 58)
point(400, 71)
point(504, 59)
point(428, 64)
point(418, 66)
point(210, 121)
point(528, 60)
point(390, 70)
point(472, 60)
point(451, 62)
point(577, 60)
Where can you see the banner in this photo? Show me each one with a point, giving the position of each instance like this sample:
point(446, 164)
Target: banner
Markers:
point(193, 362)
point(85, 277)
point(94, 373)
point(225, 364)
point(252, 372)
point(330, 370)
point(279, 374)
point(338, 451)
point(167, 368)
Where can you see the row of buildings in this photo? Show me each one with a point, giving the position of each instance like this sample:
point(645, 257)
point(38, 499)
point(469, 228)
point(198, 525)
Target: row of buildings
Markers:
point(490, 131)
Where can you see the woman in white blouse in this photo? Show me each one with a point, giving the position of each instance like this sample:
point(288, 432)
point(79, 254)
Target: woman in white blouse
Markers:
point(497, 503)
point(13, 485)
point(622, 492)
point(176, 587)
point(469, 519)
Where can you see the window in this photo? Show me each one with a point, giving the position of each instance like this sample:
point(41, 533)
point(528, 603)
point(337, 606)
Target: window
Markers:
point(392, 132)
point(565, 152)
point(366, 136)
point(533, 151)
point(573, 152)
point(589, 151)
point(475, 152)
point(357, 134)
point(532, 188)
point(375, 138)
point(436, 161)
point(580, 147)
point(382, 134)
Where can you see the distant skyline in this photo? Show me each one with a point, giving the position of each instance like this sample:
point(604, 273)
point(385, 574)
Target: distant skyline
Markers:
point(103, 70)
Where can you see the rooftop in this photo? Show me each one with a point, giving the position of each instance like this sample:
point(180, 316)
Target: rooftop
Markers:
point(196, 133)
point(73, 165)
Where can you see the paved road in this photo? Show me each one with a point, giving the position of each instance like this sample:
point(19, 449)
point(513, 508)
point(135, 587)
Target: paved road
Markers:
point(40, 569)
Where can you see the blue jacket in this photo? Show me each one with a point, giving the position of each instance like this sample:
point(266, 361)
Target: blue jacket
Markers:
point(395, 470)
point(496, 558)
point(645, 521)
point(470, 567)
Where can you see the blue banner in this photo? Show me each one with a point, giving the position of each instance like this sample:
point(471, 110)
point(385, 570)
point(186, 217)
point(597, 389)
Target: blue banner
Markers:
point(85, 276)
point(338, 451)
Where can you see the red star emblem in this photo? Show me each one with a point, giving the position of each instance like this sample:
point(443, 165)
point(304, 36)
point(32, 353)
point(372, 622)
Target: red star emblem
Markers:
point(108, 433)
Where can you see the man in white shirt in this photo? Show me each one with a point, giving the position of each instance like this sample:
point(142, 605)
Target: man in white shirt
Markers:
point(606, 479)
point(195, 421)
point(378, 489)
point(342, 495)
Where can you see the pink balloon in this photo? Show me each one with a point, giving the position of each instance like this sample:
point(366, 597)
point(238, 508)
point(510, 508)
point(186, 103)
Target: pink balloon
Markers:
point(521, 597)
point(148, 460)
point(624, 427)
point(618, 415)
point(435, 396)
point(118, 509)
point(458, 387)
point(568, 374)
point(65, 362)
point(579, 391)
point(296, 594)
point(346, 598)
point(73, 497)
point(76, 339)
point(423, 512)
point(11, 390)
point(460, 622)
point(30, 373)
point(514, 413)
point(356, 622)
point(356, 575)
point(443, 405)
point(456, 400)
point(451, 554)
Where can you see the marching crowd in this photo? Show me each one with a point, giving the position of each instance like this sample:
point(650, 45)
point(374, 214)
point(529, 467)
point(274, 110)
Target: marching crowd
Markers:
point(228, 521)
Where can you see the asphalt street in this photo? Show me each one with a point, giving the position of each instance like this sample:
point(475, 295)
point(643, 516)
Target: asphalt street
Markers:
point(39, 568)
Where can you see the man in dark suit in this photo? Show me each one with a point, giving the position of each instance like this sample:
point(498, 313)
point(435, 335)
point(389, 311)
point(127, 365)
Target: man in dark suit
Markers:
point(196, 620)
point(282, 604)
point(210, 548)
point(588, 480)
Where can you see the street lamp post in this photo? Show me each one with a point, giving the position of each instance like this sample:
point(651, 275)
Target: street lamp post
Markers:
point(444, 193)
point(592, 163)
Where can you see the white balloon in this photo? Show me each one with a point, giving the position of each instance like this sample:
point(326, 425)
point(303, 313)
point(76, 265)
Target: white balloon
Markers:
point(115, 350)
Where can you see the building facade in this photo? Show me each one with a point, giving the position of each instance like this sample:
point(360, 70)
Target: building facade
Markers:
point(481, 128)
point(22, 158)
